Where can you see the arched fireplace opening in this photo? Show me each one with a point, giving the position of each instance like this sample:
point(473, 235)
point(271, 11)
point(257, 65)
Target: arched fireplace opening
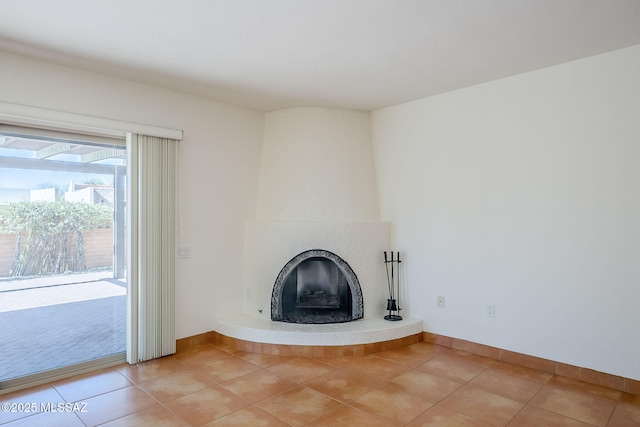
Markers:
point(316, 286)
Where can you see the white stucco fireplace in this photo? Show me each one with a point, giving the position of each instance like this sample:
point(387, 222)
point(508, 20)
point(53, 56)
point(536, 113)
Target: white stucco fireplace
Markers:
point(317, 192)
point(269, 245)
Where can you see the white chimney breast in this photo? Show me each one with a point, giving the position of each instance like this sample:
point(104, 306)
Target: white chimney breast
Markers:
point(317, 191)
point(317, 165)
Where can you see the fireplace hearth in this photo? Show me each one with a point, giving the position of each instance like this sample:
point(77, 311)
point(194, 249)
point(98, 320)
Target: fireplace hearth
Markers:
point(316, 286)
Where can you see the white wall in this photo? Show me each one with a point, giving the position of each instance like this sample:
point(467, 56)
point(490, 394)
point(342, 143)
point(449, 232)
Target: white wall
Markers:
point(10, 195)
point(524, 193)
point(43, 194)
point(219, 164)
point(317, 165)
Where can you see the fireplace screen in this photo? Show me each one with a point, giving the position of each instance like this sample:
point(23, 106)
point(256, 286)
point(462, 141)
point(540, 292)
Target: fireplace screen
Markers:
point(316, 286)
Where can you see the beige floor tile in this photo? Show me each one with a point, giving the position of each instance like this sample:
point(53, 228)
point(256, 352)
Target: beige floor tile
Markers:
point(30, 401)
point(627, 412)
point(439, 416)
point(385, 402)
point(150, 370)
point(206, 405)
point(453, 368)
point(577, 404)
point(509, 386)
point(258, 385)
point(115, 404)
point(175, 385)
point(419, 385)
point(226, 348)
point(300, 369)
point(249, 416)
point(521, 372)
point(583, 387)
point(482, 405)
point(92, 384)
point(156, 416)
point(338, 362)
point(405, 356)
point(263, 360)
point(49, 419)
point(200, 355)
point(430, 349)
point(377, 369)
point(425, 385)
point(536, 417)
point(342, 384)
point(227, 369)
point(346, 416)
point(299, 406)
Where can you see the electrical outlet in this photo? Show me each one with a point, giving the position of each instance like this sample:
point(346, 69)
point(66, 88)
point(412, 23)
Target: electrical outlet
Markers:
point(184, 252)
point(491, 310)
point(441, 301)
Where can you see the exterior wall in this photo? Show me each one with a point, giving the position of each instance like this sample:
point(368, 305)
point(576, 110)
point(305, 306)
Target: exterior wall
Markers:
point(11, 195)
point(98, 249)
point(7, 249)
point(44, 195)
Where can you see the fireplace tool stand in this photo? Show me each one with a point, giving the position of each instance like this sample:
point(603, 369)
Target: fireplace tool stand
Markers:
point(394, 288)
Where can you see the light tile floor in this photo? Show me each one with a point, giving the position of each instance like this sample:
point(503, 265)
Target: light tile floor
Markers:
point(420, 385)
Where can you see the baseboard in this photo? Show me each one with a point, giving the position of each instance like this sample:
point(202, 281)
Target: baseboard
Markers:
point(591, 376)
point(295, 350)
point(569, 371)
point(316, 350)
point(193, 341)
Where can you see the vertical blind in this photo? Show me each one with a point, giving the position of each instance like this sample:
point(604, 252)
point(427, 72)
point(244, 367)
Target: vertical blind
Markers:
point(151, 217)
point(152, 191)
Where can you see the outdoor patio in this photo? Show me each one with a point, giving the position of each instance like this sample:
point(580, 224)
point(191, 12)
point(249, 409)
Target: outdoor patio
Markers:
point(52, 322)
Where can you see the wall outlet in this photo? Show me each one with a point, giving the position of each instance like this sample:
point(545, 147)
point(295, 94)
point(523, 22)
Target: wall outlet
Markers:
point(184, 252)
point(441, 301)
point(491, 310)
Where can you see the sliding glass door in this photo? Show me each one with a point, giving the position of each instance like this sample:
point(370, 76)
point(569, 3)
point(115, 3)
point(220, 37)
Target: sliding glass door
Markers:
point(63, 275)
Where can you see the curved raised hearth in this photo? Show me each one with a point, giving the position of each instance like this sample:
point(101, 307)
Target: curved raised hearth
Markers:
point(365, 331)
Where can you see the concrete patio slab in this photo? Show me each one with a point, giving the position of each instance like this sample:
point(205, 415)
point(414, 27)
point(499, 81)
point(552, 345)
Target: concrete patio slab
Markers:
point(51, 335)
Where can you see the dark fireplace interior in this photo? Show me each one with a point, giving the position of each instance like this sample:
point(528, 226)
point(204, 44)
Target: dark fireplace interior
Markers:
point(316, 292)
point(315, 289)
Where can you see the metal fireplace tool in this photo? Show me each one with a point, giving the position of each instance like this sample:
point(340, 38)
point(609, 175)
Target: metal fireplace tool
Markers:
point(394, 288)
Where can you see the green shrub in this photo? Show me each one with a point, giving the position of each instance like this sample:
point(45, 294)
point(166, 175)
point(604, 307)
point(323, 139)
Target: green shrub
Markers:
point(50, 234)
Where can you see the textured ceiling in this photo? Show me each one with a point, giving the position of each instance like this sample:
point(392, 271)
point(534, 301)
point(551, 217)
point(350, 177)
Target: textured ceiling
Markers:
point(274, 54)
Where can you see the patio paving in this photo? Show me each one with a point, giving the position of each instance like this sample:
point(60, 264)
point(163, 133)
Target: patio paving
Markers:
point(48, 323)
